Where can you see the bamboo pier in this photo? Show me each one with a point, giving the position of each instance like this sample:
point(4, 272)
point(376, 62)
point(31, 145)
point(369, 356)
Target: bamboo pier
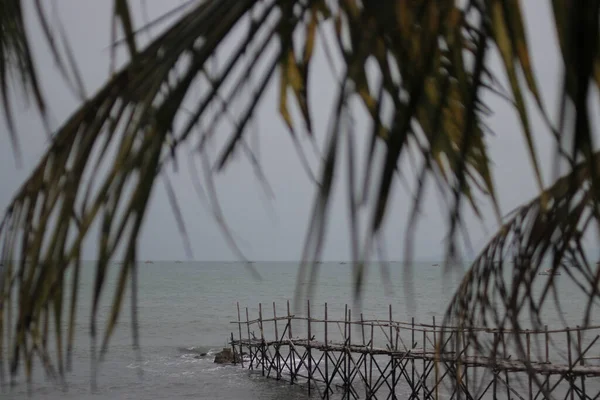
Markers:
point(355, 358)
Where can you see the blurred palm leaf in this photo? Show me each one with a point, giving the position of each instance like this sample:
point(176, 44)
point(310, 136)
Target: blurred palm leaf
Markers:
point(428, 61)
point(16, 58)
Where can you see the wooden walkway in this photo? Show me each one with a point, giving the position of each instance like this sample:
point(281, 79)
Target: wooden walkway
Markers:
point(387, 359)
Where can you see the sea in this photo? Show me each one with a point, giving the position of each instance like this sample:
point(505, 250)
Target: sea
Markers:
point(185, 310)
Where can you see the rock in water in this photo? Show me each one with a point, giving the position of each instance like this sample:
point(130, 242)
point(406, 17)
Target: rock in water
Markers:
point(226, 356)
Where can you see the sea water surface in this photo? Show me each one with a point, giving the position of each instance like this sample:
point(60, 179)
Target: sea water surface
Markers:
point(185, 310)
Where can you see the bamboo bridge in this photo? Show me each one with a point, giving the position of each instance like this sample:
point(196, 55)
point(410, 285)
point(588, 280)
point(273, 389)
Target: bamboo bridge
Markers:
point(385, 359)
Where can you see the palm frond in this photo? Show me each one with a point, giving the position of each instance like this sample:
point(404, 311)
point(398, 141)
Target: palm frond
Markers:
point(16, 58)
point(53, 212)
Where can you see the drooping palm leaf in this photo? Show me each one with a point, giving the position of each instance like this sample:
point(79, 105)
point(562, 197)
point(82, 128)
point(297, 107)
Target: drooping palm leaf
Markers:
point(16, 61)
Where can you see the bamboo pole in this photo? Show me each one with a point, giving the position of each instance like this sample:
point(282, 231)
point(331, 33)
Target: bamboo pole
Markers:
point(250, 348)
point(240, 332)
point(391, 338)
point(436, 360)
point(547, 340)
point(412, 346)
point(529, 375)
point(233, 348)
point(362, 326)
point(547, 337)
point(371, 364)
point(391, 332)
point(326, 357)
point(581, 360)
point(465, 352)
point(262, 339)
point(275, 321)
point(570, 359)
point(349, 358)
point(495, 373)
point(277, 354)
point(424, 363)
point(505, 372)
point(309, 346)
point(292, 349)
point(344, 352)
point(397, 337)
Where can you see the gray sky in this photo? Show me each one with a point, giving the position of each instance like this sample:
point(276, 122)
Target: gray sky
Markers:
point(275, 229)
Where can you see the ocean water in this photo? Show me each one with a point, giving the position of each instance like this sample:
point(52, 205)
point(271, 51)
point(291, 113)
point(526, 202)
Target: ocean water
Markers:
point(185, 310)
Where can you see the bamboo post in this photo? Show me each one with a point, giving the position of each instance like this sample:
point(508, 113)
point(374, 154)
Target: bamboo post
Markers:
point(424, 362)
point(547, 340)
point(436, 360)
point(309, 345)
point(570, 358)
point(503, 338)
point(362, 326)
point(530, 373)
point(250, 348)
point(326, 357)
point(349, 328)
point(495, 372)
point(393, 387)
point(275, 321)
point(240, 332)
point(349, 358)
point(277, 355)
point(412, 346)
point(292, 351)
point(581, 360)
point(465, 365)
point(233, 348)
point(458, 353)
point(371, 365)
point(391, 331)
point(262, 339)
point(344, 352)
point(547, 337)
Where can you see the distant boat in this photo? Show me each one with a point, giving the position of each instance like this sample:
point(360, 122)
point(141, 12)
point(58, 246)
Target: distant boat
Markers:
point(149, 262)
point(177, 262)
point(548, 271)
point(435, 265)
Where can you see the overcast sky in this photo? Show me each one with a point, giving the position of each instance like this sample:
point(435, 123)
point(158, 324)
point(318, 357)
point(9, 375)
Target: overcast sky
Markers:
point(274, 229)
